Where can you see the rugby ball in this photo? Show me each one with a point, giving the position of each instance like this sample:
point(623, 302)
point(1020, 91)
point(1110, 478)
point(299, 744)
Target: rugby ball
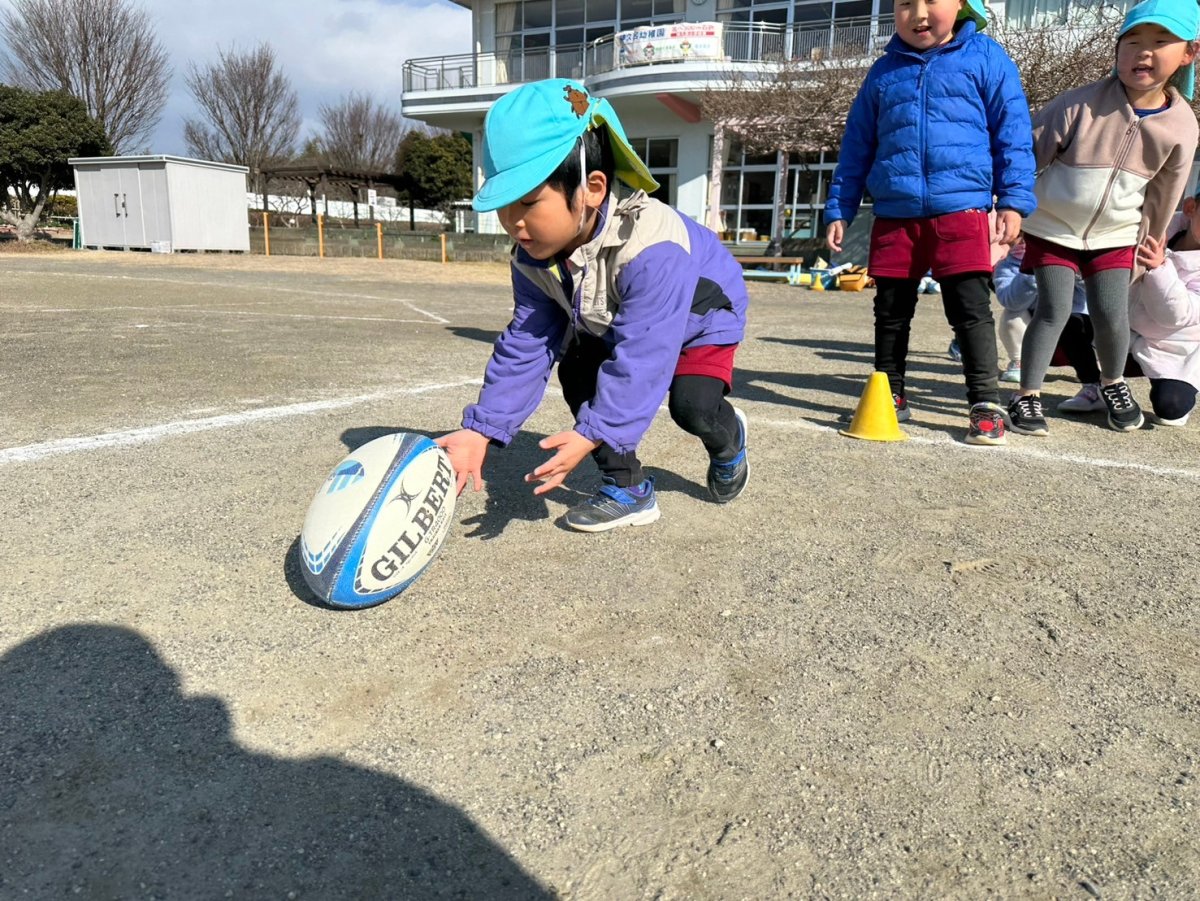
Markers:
point(378, 520)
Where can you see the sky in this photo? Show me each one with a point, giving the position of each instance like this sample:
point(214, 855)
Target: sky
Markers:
point(327, 48)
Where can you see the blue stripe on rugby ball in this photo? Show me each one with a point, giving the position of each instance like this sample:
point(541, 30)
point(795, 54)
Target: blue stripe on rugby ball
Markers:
point(405, 524)
point(337, 508)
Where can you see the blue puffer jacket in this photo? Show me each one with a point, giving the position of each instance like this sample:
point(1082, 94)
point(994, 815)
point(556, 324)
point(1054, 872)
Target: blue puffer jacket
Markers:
point(937, 132)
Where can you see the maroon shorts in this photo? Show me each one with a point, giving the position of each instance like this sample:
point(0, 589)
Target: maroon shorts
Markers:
point(712, 360)
point(1040, 252)
point(949, 245)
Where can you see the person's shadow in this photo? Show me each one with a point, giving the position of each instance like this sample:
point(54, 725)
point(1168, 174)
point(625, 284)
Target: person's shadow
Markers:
point(114, 784)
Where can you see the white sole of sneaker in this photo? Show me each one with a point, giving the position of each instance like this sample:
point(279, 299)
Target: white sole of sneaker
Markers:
point(983, 441)
point(642, 518)
point(1132, 427)
point(1172, 423)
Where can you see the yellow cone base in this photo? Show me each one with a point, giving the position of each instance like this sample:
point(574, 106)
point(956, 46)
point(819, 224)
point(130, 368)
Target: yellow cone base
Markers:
point(875, 416)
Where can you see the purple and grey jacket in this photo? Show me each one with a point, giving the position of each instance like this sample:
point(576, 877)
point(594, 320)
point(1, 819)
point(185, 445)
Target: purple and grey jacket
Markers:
point(650, 283)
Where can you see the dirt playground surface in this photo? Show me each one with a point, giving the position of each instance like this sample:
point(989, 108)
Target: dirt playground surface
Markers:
point(887, 671)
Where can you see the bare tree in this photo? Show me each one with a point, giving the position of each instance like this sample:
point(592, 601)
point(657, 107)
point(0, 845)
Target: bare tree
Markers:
point(792, 106)
point(360, 135)
point(104, 52)
point(1059, 56)
point(251, 113)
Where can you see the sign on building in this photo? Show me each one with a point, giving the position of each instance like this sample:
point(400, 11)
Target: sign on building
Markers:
point(669, 43)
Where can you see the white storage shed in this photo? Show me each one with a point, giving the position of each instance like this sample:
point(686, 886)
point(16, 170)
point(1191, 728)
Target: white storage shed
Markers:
point(161, 203)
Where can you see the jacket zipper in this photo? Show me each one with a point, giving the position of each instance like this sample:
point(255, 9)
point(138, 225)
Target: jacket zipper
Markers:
point(1122, 152)
point(921, 139)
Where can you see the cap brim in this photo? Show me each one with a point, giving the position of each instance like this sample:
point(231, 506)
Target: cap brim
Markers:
point(976, 14)
point(511, 185)
point(629, 166)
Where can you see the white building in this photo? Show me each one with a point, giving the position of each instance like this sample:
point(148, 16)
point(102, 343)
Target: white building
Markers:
point(656, 91)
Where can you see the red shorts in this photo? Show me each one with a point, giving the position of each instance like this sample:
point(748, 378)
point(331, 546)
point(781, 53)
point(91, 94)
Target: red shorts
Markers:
point(1040, 252)
point(949, 245)
point(712, 360)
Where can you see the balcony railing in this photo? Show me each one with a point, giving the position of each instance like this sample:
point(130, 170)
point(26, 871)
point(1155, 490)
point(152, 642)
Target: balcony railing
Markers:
point(742, 43)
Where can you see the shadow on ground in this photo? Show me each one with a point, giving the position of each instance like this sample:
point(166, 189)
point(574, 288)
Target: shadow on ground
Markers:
point(117, 785)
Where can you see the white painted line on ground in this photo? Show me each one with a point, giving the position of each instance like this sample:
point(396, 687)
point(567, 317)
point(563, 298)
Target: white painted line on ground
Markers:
point(1013, 448)
point(193, 309)
point(128, 437)
point(236, 287)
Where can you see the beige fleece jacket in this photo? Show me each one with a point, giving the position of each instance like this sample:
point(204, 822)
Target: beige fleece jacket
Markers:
point(1106, 178)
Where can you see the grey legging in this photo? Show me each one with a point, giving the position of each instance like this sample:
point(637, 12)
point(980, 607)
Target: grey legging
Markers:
point(1108, 305)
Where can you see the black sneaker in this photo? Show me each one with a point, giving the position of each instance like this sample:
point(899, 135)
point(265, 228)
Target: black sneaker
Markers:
point(1124, 414)
point(726, 480)
point(987, 425)
point(1025, 415)
point(611, 507)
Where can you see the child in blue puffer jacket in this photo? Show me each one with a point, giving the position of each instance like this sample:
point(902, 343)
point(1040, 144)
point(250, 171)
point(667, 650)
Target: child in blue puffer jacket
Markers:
point(938, 132)
point(634, 301)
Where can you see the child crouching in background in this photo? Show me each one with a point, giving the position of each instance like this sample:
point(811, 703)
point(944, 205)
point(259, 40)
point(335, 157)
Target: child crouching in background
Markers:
point(1164, 318)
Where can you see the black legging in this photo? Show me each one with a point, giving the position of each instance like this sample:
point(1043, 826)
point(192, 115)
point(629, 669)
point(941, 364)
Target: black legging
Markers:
point(696, 402)
point(1171, 399)
point(967, 302)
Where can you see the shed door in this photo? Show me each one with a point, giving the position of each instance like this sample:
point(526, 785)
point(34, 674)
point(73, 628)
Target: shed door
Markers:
point(131, 207)
point(100, 207)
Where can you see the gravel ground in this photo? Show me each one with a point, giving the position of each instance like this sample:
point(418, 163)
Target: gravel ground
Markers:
point(888, 670)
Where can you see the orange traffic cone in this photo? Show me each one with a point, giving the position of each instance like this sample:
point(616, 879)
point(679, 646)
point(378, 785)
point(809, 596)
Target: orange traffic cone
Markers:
point(875, 417)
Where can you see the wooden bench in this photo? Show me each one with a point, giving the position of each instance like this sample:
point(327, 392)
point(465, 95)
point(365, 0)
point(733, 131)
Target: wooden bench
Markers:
point(764, 260)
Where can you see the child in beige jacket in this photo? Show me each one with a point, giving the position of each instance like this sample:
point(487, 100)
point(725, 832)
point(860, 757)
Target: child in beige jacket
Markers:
point(1113, 160)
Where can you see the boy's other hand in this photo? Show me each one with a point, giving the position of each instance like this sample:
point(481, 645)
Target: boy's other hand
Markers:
point(1152, 252)
point(1008, 227)
point(834, 234)
point(572, 448)
point(466, 449)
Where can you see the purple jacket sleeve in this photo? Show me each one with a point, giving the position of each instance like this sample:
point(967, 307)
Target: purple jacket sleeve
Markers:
point(656, 291)
point(522, 358)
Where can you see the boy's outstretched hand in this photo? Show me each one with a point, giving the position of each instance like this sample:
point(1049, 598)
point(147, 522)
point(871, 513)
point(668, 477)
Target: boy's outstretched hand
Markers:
point(1008, 227)
point(572, 448)
point(1152, 252)
point(466, 449)
point(834, 234)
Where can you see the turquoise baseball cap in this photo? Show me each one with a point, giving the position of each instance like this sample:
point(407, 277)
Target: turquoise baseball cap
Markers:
point(976, 10)
point(1182, 19)
point(529, 131)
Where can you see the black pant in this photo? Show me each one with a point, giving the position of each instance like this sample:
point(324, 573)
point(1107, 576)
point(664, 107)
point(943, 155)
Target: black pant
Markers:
point(697, 404)
point(1171, 399)
point(967, 300)
point(1076, 344)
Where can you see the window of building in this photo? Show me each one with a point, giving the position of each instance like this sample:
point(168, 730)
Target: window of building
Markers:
point(661, 158)
point(748, 193)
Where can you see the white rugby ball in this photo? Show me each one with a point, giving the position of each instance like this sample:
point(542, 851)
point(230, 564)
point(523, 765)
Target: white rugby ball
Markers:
point(378, 520)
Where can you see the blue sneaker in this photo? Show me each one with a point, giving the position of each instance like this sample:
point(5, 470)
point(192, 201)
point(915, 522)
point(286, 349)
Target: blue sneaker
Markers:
point(612, 507)
point(726, 480)
point(953, 351)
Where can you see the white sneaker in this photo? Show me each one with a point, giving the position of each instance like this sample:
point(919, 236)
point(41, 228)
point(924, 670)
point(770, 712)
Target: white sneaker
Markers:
point(1012, 372)
point(1174, 423)
point(1088, 400)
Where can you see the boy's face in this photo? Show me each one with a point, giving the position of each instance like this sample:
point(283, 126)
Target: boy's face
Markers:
point(923, 24)
point(1148, 55)
point(542, 223)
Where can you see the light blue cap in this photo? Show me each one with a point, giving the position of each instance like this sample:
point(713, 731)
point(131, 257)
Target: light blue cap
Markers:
point(975, 10)
point(529, 131)
point(1182, 19)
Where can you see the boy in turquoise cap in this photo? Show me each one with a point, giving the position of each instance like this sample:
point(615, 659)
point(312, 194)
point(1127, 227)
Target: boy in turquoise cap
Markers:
point(634, 301)
point(939, 135)
point(1114, 158)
